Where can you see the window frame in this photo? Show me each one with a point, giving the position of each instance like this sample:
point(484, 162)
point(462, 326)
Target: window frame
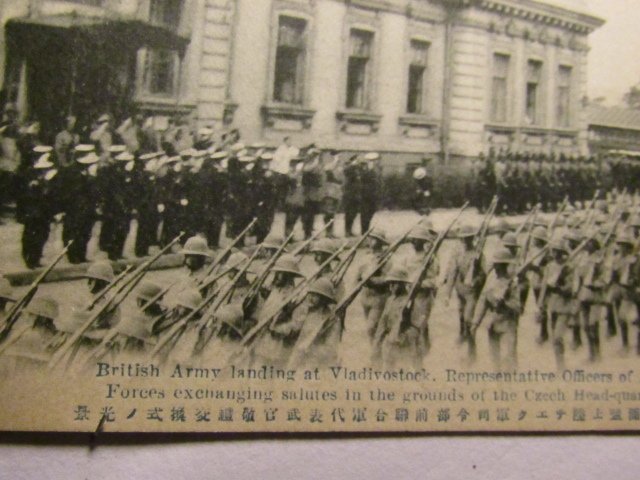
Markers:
point(538, 119)
point(424, 81)
point(144, 63)
point(368, 101)
point(568, 113)
point(301, 86)
point(493, 110)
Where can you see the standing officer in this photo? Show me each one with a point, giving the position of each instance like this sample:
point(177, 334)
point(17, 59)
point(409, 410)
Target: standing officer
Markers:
point(216, 193)
point(351, 197)
point(145, 199)
point(41, 204)
point(312, 181)
point(333, 185)
point(264, 197)
point(371, 193)
point(79, 194)
point(294, 200)
point(421, 200)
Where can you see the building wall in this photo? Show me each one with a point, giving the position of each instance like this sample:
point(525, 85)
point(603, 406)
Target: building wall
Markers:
point(457, 120)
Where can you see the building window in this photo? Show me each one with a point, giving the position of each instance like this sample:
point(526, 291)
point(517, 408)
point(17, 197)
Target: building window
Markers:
point(160, 72)
point(165, 12)
point(358, 69)
point(499, 87)
point(564, 96)
point(288, 85)
point(417, 76)
point(532, 94)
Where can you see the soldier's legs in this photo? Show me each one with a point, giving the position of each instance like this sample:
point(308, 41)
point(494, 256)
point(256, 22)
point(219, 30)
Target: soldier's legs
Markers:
point(34, 237)
point(350, 213)
point(366, 214)
point(213, 229)
point(292, 213)
point(308, 217)
point(559, 331)
point(119, 237)
point(494, 347)
point(543, 319)
point(147, 230)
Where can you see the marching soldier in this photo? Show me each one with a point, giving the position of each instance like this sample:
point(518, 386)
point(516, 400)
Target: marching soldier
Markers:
point(534, 277)
point(466, 279)
point(195, 254)
point(317, 343)
point(374, 294)
point(27, 350)
point(396, 344)
point(499, 301)
point(421, 239)
point(273, 347)
point(626, 275)
point(557, 281)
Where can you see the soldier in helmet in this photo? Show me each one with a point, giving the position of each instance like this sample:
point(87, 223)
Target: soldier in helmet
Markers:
point(28, 342)
point(273, 347)
point(421, 239)
point(195, 255)
point(374, 293)
point(396, 341)
point(322, 250)
point(626, 276)
point(534, 276)
point(319, 337)
point(499, 302)
point(467, 280)
point(557, 279)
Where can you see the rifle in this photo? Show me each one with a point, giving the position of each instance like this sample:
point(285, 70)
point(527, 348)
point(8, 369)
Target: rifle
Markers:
point(553, 223)
point(258, 282)
point(116, 299)
point(424, 267)
point(301, 249)
point(480, 239)
point(342, 269)
point(529, 220)
point(23, 302)
point(109, 287)
point(341, 308)
point(527, 240)
point(208, 282)
point(292, 299)
point(225, 253)
point(590, 209)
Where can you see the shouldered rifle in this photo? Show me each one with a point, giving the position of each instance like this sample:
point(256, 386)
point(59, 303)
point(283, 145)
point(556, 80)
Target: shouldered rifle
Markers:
point(527, 241)
point(225, 253)
point(591, 209)
point(342, 269)
point(209, 282)
point(340, 309)
point(293, 300)
point(302, 248)
point(109, 287)
point(529, 220)
point(254, 290)
point(480, 240)
point(120, 294)
point(23, 302)
point(556, 217)
point(424, 267)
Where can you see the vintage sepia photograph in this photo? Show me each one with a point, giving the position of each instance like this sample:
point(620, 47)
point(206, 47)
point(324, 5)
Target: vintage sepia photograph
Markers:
point(319, 216)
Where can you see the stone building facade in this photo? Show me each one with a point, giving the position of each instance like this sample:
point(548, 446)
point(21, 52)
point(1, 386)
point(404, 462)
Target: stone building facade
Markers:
point(445, 79)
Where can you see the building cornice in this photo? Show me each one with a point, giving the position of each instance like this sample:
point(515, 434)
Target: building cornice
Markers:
point(543, 13)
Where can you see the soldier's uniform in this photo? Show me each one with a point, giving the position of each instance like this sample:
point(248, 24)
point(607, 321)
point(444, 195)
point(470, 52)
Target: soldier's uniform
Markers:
point(352, 191)
point(41, 204)
point(193, 273)
point(115, 185)
point(332, 194)
point(423, 236)
point(240, 190)
point(396, 344)
point(465, 274)
point(499, 302)
point(274, 345)
point(557, 280)
point(374, 293)
point(626, 280)
point(216, 194)
point(29, 339)
point(318, 341)
point(146, 201)
point(263, 198)
point(421, 199)
point(294, 199)
point(312, 181)
point(79, 198)
point(371, 192)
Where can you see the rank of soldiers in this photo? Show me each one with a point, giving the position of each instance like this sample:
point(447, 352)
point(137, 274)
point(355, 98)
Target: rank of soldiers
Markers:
point(258, 306)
